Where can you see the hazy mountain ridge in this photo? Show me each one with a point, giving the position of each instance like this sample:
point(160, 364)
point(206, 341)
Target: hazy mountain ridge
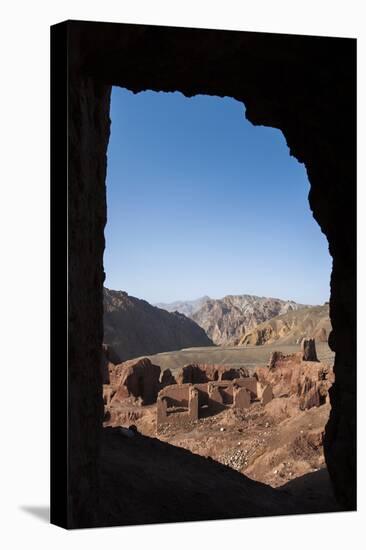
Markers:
point(133, 327)
point(292, 327)
point(187, 307)
point(227, 320)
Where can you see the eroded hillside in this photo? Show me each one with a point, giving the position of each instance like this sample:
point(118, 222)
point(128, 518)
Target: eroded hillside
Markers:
point(227, 320)
point(291, 328)
point(134, 327)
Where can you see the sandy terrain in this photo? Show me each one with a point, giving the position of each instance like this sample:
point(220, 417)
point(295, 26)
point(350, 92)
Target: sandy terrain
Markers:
point(248, 357)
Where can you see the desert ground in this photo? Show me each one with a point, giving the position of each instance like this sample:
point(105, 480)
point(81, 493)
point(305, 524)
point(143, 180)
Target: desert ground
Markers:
point(234, 356)
point(274, 442)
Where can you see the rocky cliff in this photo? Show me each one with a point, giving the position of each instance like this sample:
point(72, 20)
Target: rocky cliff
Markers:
point(135, 328)
point(292, 327)
point(226, 321)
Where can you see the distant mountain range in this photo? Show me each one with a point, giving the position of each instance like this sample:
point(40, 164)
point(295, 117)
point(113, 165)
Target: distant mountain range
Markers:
point(187, 307)
point(292, 327)
point(133, 327)
point(228, 319)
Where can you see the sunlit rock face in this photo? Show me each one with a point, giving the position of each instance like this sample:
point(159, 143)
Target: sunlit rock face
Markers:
point(227, 320)
point(292, 327)
point(303, 86)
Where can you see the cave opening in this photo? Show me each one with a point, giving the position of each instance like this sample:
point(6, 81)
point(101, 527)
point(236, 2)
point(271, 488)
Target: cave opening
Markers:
point(306, 87)
point(203, 207)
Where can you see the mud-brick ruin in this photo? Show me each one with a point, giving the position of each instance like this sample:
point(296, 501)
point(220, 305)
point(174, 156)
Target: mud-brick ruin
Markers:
point(198, 390)
point(182, 403)
point(299, 374)
point(137, 379)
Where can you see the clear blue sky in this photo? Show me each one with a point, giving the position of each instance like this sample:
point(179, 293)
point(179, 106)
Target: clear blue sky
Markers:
point(202, 202)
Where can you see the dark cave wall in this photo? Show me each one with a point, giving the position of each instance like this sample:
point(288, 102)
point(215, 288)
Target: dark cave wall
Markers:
point(87, 143)
point(305, 86)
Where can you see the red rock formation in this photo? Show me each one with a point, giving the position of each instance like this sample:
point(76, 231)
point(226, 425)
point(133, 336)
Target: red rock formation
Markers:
point(138, 379)
point(308, 380)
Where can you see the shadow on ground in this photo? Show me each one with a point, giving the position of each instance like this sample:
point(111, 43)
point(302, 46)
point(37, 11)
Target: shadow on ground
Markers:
point(314, 488)
point(145, 480)
point(40, 512)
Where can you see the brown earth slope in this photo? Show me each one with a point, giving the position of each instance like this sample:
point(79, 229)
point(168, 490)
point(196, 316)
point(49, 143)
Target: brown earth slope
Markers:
point(291, 328)
point(227, 320)
point(134, 327)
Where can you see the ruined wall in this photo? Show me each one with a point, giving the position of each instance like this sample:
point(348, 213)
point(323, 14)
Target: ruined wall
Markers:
point(250, 383)
point(308, 350)
point(241, 398)
point(167, 378)
point(186, 401)
point(303, 86)
point(176, 395)
point(141, 378)
point(200, 373)
point(181, 396)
